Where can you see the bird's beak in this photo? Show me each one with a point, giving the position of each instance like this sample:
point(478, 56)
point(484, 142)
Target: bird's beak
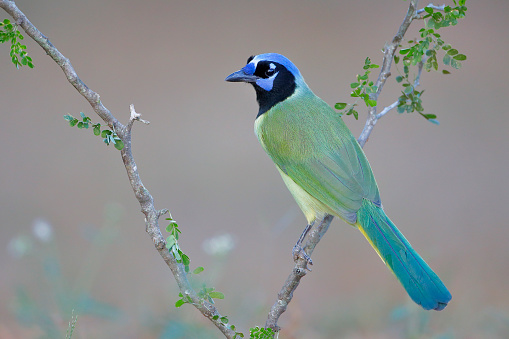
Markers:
point(241, 76)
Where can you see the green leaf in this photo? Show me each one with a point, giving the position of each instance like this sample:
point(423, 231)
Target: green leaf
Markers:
point(429, 116)
point(170, 242)
point(105, 133)
point(438, 16)
point(460, 57)
point(179, 303)
point(80, 125)
point(396, 59)
point(119, 144)
point(198, 270)
point(452, 51)
point(356, 92)
point(455, 64)
point(447, 59)
point(224, 320)
point(408, 89)
point(354, 85)
point(428, 10)
point(399, 78)
point(355, 114)
point(185, 259)
point(176, 253)
point(169, 228)
point(216, 295)
point(215, 317)
point(97, 129)
point(340, 105)
point(83, 115)
point(73, 122)
point(68, 117)
point(371, 102)
point(444, 71)
point(431, 23)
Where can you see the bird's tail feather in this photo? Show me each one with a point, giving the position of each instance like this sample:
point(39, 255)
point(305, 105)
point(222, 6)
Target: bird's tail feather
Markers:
point(420, 282)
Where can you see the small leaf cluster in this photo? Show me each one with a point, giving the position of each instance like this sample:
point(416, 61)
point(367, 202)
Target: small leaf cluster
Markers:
point(109, 137)
point(450, 17)
point(205, 292)
point(363, 89)
point(410, 99)
point(430, 43)
point(9, 32)
point(261, 333)
point(209, 294)
point(424, 52)
point(173, 246)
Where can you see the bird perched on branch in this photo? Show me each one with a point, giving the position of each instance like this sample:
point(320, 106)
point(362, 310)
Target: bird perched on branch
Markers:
point(327, 172)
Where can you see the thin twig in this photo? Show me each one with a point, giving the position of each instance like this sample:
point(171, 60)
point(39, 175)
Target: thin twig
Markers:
point(387, 109)
point(385, 71)
point(417, 82)
point(285, 295)
point(124, 132)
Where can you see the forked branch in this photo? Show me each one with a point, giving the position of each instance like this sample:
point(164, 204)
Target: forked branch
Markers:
point(140, 191)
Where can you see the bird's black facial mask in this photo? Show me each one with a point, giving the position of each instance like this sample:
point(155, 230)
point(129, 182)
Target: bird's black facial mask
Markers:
point(274, 84)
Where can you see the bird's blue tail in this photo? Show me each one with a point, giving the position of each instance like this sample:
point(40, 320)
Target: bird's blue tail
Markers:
point(420, 282)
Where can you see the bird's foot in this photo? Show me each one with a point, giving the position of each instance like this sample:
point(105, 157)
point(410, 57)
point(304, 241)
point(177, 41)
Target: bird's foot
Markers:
point(298, 252)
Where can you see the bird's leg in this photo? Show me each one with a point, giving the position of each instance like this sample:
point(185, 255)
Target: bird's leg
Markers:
point(298, 251)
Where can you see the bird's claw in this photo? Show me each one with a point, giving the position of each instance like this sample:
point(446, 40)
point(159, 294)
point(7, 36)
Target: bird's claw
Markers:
point(298, 252)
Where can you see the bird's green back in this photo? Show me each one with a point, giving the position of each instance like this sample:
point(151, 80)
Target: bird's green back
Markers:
point(310, 143)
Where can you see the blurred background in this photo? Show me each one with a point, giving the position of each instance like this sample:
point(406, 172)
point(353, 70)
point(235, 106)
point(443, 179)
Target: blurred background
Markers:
point(71, 232)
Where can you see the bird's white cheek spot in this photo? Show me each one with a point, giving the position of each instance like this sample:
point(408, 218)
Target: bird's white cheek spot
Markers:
point(267, 83)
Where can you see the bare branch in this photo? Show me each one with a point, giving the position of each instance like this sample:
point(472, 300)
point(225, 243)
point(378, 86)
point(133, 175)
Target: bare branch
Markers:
point(385, 71)
point(124, 132)
point(136, 116)
point(387, 109)
point(285, 295)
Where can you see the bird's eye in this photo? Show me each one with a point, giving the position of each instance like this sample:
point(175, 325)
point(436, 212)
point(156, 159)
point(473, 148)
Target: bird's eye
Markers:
point(270, 71)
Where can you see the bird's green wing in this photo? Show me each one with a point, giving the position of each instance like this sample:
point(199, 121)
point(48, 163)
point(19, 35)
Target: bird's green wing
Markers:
point(314, 147)
point(340, 178)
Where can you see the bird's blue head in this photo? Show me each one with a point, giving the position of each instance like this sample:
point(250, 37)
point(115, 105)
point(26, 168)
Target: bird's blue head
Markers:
point(273, 76)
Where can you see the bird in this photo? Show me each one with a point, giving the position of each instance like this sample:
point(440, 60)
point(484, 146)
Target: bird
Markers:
point(326, 170)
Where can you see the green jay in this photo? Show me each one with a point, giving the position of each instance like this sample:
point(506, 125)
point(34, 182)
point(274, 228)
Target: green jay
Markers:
point(326, 170)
